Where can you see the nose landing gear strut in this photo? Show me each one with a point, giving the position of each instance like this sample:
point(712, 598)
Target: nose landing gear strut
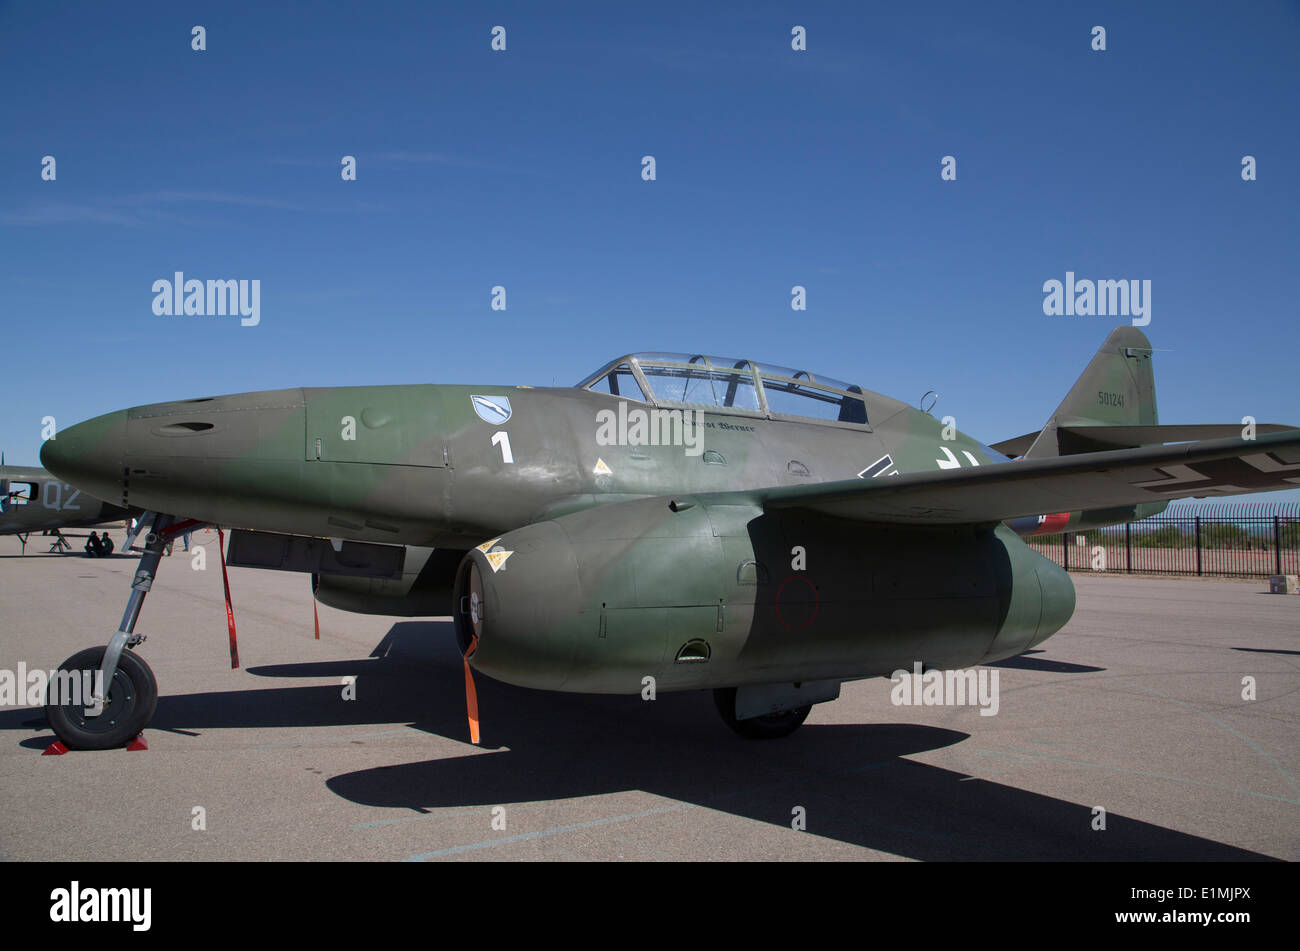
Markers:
point(122, 700)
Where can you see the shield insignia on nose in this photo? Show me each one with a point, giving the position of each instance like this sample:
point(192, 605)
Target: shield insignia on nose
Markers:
point(492, 409)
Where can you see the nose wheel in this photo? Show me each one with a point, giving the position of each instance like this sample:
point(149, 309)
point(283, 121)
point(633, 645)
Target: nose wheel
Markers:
point(129, 702)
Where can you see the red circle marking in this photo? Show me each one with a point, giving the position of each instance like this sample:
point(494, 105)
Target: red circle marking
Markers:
point(816, 602)
point(1052, 523)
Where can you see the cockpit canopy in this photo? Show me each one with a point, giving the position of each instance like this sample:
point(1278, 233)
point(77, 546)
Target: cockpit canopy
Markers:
point(736, 386)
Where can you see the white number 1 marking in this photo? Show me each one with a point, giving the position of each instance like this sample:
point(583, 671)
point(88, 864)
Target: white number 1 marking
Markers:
point(502, 439)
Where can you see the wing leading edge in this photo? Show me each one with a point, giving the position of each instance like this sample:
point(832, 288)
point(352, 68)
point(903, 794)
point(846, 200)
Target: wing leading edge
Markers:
point(1095, 480)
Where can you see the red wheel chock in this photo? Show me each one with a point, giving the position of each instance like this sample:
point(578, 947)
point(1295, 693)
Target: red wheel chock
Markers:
point(58, 749)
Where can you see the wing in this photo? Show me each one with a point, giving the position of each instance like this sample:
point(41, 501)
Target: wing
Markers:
point(1095, 480)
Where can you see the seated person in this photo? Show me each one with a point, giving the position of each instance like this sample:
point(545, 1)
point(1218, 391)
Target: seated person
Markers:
point(94, 547)
point(108, 544)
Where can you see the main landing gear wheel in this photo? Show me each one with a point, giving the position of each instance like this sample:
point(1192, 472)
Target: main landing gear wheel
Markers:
point(767, 727)
point(130, 704)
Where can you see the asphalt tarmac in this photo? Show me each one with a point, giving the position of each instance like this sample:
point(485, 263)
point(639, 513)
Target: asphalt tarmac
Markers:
point(1135, 708)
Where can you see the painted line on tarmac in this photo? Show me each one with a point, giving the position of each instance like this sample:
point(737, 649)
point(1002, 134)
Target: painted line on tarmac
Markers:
point(1281, 770)
point(478, 811)
point(1032, 755)
point(544, 833)
point(332, 740)
point(558, 830)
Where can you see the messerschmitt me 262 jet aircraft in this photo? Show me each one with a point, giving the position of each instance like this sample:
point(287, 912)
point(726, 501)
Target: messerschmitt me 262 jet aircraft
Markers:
point(753, 529)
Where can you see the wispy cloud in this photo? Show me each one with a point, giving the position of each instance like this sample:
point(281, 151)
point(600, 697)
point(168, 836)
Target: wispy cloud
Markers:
point(448, 160)
point(218, 198)
point(146, 208)
point(410, 157)
point(426, 158)
point(59, 212)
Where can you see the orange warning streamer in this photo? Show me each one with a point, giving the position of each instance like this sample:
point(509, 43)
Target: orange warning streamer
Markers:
point(230, 612)
point(471, 696)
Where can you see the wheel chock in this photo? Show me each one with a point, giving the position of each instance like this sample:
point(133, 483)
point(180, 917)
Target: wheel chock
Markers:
point(58, 749)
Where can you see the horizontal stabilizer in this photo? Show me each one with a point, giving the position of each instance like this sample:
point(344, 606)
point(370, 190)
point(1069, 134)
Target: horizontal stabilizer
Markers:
point(1016, 446)
point(1127, 437)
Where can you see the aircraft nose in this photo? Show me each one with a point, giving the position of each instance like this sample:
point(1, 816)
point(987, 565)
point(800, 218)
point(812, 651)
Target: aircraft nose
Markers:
point(90, 455)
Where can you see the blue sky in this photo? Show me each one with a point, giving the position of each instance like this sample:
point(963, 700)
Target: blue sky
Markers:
point(522, 168)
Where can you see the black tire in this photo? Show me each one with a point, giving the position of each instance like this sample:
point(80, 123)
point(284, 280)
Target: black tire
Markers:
point(132, 699)
point(768, 727)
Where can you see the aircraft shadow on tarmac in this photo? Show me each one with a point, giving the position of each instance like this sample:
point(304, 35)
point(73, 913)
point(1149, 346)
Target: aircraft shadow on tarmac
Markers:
point(1025, 662)
point(854, 781)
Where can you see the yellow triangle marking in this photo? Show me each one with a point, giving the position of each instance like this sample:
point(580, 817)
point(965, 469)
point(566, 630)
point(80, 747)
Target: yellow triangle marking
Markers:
point(497, 559)
point(486, 545)
point(601, 468)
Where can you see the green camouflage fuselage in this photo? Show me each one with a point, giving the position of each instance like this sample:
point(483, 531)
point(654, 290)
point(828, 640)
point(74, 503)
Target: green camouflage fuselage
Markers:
point(416, 465)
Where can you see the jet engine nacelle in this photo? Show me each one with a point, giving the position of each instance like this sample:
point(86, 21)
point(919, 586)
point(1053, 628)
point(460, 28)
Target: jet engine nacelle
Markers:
point(700, 595)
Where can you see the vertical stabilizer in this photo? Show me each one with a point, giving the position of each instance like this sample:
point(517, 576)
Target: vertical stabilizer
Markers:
point(1118, 388)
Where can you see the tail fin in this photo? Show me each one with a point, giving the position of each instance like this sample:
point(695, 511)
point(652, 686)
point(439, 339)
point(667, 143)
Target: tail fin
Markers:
point(1113, 406)
point(1117, 391)
point(1118, 388)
